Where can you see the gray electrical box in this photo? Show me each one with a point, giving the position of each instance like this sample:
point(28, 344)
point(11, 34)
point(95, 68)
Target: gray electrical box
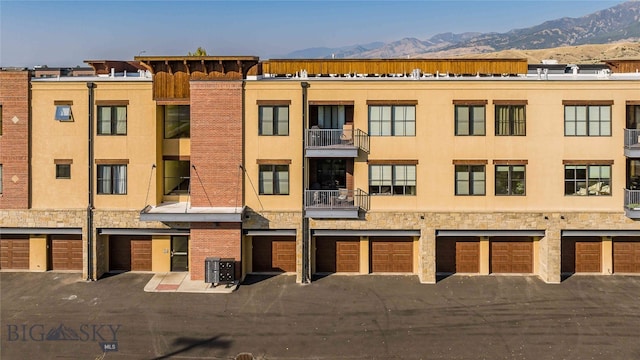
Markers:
point(212, 270)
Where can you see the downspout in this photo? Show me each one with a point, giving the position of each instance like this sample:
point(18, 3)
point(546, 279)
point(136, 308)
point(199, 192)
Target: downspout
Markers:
point(90, 273)
point(306, 238)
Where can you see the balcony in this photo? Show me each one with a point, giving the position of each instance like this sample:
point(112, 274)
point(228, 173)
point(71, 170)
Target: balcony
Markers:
point(631, 142)
point(632, 203)
point(335, 204)
point(337, 143)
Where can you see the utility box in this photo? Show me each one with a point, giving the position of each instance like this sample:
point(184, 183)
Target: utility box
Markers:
point(212, 270)
point(227, 270)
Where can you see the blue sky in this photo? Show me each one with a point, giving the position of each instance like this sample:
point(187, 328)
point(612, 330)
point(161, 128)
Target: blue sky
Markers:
point(65, 33)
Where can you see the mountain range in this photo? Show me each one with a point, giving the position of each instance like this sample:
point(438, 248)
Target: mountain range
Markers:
point(616, 24)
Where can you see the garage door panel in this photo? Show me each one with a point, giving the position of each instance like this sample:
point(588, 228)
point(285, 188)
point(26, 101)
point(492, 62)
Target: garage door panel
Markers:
point(273, 254)
point(14, 253)
point(347, 256)
point(512, 257)
point(141, 255)
point(588, 256)
point(468, 256)
point(626, 256)
point(130, 253)
point(284, 256)
point(392, 256)
point(66, 252)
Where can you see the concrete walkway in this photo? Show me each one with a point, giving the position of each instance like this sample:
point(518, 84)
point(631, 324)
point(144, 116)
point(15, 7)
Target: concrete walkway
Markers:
point(180, 282)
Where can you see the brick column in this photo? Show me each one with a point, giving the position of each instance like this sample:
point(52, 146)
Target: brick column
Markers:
point(216, 179)
point(14, 142)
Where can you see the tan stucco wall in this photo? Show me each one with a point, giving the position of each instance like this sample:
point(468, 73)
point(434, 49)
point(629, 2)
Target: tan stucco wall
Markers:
point(53, 139)
point(607, 255)
point(38, 253)
point(435, 145)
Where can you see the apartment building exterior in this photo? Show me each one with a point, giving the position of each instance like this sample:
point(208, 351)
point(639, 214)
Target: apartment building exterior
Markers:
point(428, 167)
point(420, 167)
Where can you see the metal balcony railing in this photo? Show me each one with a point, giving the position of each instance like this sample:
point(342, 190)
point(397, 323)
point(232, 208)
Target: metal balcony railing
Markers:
point(336, 199)
point(336, 138)
point(632, 199)
point(631, 139)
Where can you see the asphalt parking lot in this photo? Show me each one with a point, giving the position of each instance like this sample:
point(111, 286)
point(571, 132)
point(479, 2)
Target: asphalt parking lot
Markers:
point(57, 315)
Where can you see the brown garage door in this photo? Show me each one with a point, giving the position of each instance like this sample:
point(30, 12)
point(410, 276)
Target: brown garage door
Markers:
point(458, 255)
point(66, 252)
point(337, 254)
point(128, 253)
point(626, 256)
point(392, 255)
point(582, 254)
point(14, 252)
point(274, 254)
point(141, 254)
point(511, 256)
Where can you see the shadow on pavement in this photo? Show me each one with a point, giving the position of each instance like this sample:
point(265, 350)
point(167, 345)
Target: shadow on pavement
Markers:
point(320, 276)
point(110, 274)
point(188, 344)
point(256, 278)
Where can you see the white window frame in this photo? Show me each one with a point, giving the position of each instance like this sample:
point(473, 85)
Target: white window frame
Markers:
point(63, 113)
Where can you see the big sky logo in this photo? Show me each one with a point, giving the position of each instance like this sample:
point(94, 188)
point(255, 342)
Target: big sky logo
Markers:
point(106, 335)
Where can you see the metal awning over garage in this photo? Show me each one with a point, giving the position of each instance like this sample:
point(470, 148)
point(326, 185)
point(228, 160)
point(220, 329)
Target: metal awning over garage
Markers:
point(40, 231)
point(321, 232)
point(600, 233)
point(183, 212)
point(537, 233)
point(111, 231)
point(275, 232)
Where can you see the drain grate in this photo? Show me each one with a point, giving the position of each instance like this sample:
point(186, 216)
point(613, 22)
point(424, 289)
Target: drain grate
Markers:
point(244, 356)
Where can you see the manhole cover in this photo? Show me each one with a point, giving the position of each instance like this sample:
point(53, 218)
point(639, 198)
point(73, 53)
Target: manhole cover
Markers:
point(244, 356)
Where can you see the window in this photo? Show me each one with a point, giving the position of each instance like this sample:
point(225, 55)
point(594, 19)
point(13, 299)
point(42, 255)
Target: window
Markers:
point(1, 119)
point(274, 180)
point(112, 120)
point(470, 120)
point(177, 121)
point(177, 177)
point(587, 120)
point(470, 180)
point(510, 179)
point(63, 171)
point(63, 113)
point(112, 179)
point(510, 120)
point(274, 120)
point(393, 120)
point(392, 179)
point(0, 178)
point(587, 180)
